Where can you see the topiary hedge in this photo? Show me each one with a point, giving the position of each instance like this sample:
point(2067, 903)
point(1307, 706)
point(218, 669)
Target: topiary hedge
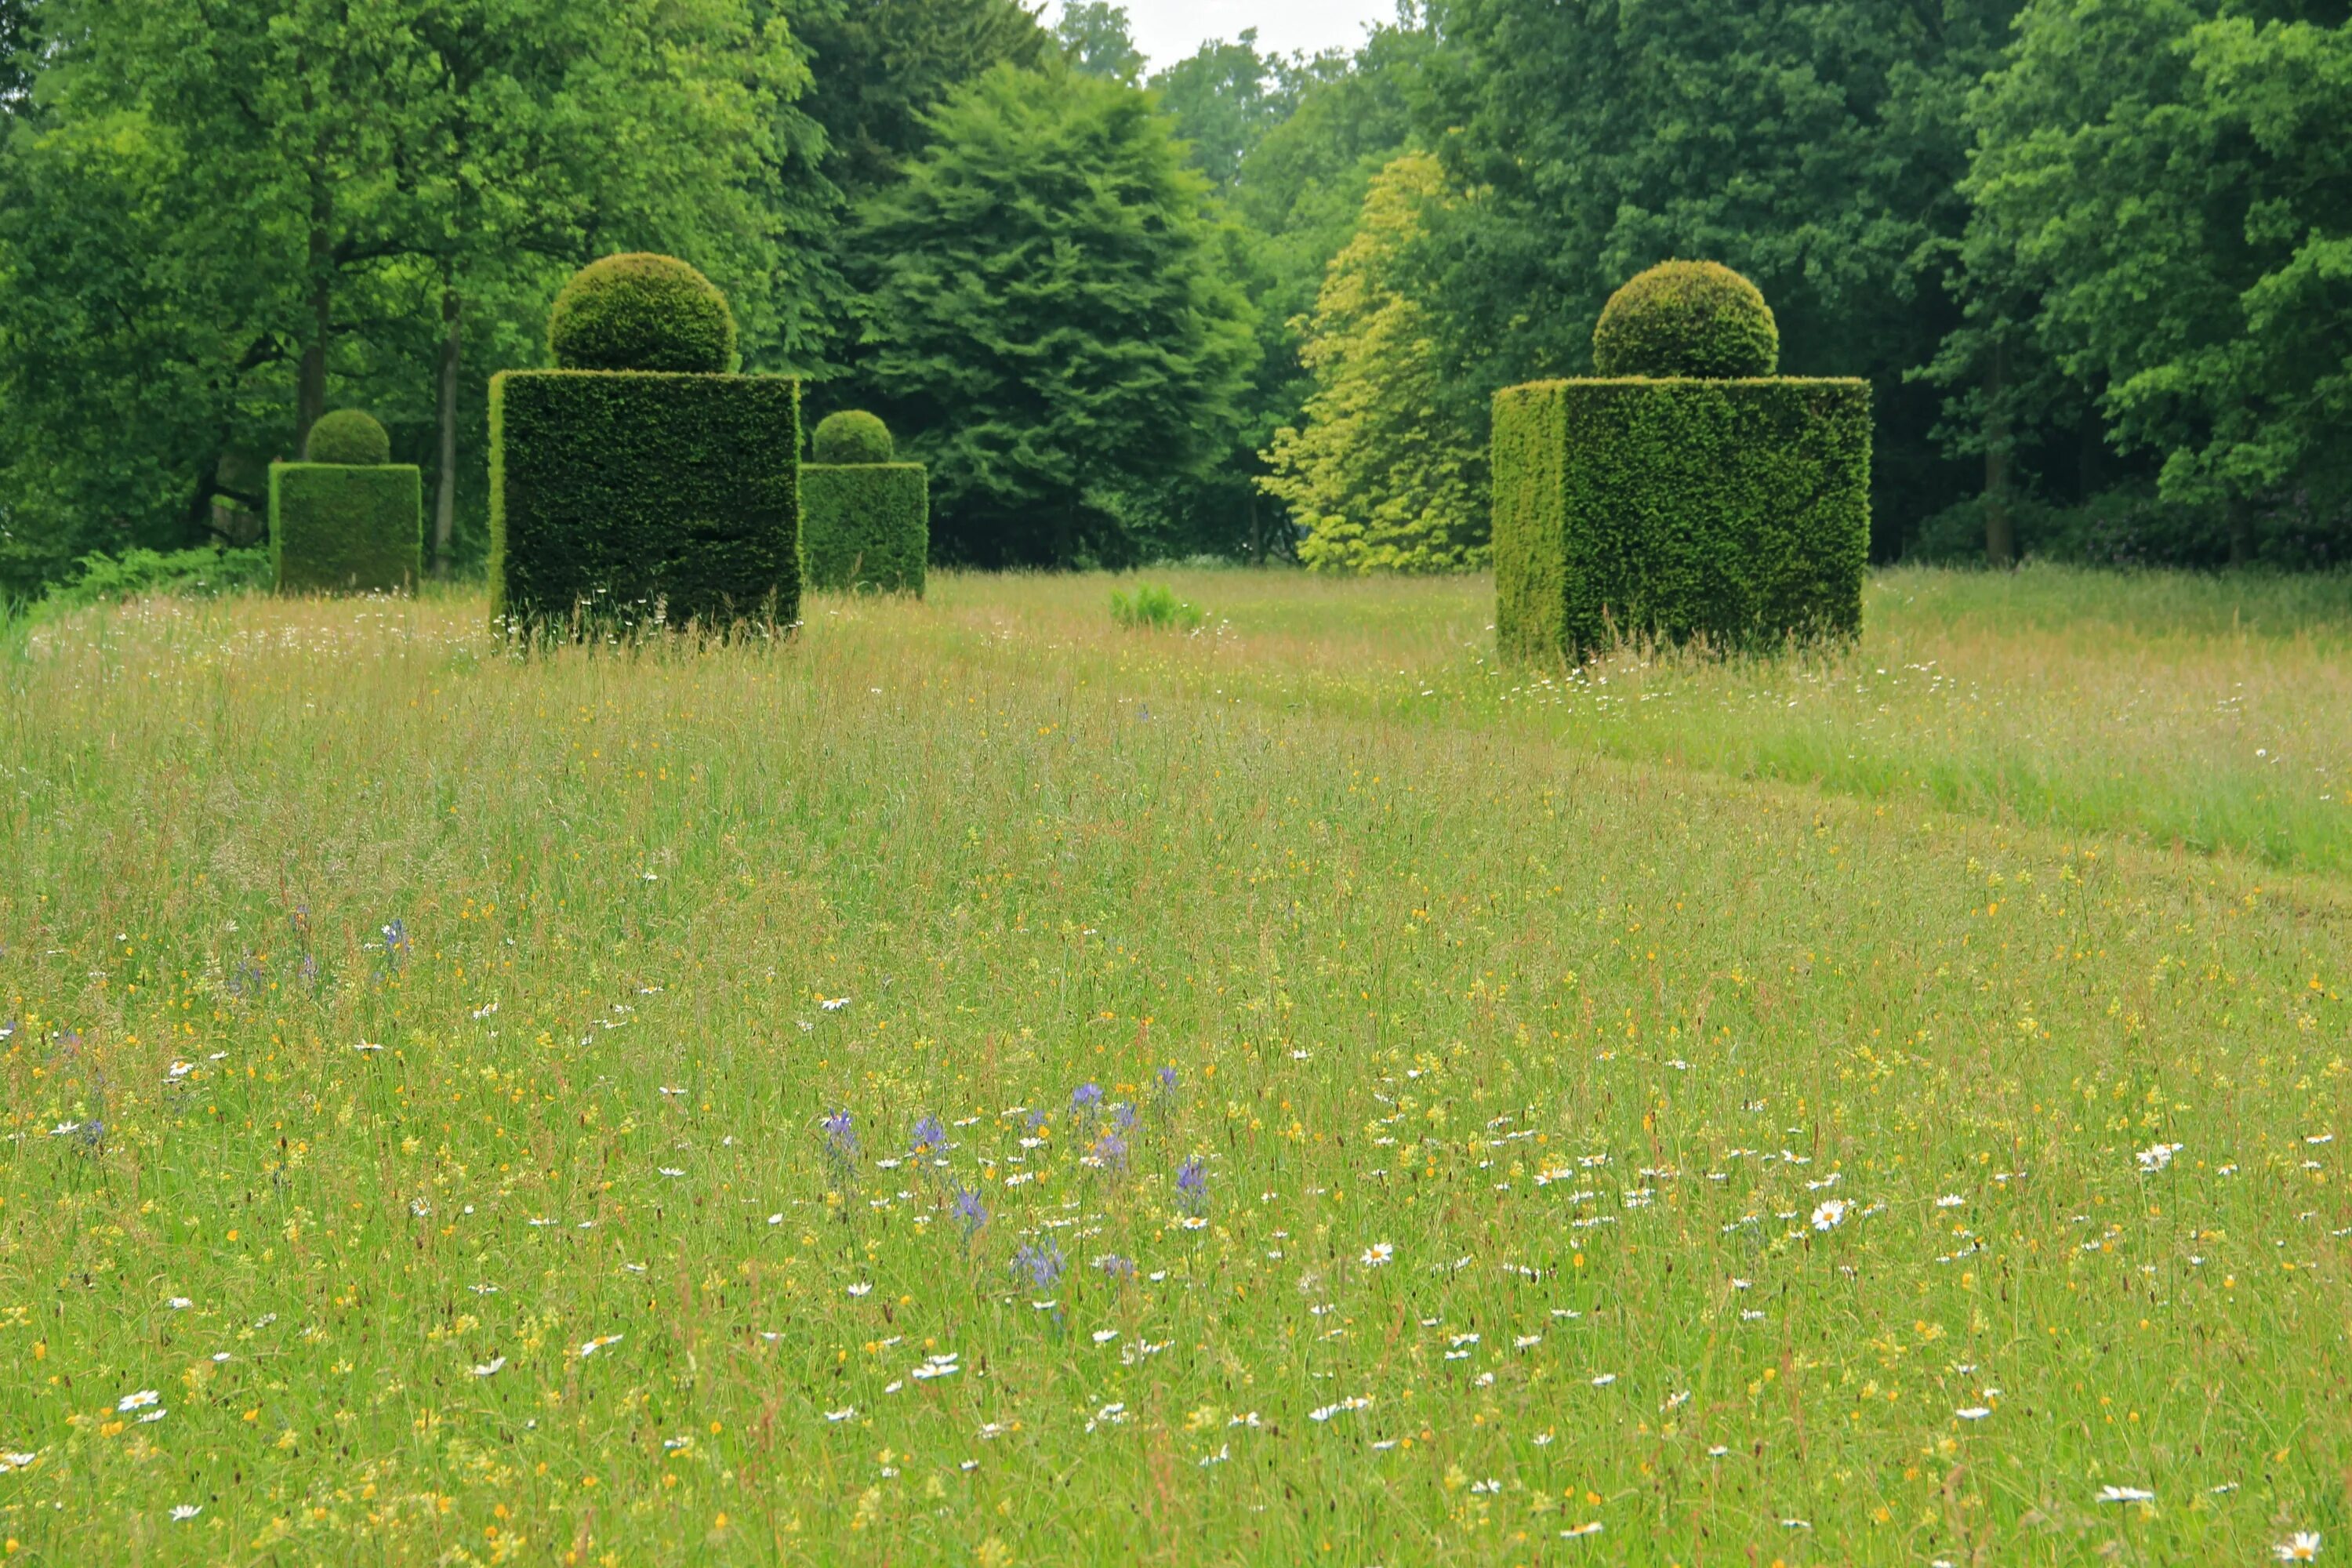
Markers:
point(346, 528)
point(641, 311)
point(347, 435)
point(865, 525)
point(612, 492)
point(1686, 318)
point(852, 436)
point(1734, 510)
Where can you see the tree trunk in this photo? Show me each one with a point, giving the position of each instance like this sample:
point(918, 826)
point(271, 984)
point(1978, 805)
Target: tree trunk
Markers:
point(310, 389)
point(2001, 524)
point(444, 499)
point(1257, 531)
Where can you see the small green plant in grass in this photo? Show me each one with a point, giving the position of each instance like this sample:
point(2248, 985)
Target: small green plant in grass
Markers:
point(1155, 608)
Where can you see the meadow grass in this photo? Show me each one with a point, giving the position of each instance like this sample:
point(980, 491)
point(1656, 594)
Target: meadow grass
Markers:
point(976, 1085)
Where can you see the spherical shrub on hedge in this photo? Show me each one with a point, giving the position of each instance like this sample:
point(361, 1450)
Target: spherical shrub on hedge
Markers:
point(347, 435)
point(641, 311)
point(853, 435)
point(1686, 318)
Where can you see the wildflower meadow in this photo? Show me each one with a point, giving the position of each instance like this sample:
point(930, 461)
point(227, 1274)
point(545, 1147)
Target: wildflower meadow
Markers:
point(975, 1082)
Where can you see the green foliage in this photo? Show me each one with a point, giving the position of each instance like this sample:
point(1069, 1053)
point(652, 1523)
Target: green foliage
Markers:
point(615, 494)
point(348, 436)
point(2163, 224)
point(339, 528)
point(865, 525)
point(1095, 39)
point(852, 436)
point(641, 311)
point(1686, 318)
point(181, 574)
point(1153, 607)
point(1815, 147)
point(1227, 97)
point(221, 212)
point(1379, 477)
point(1732, 511)
point(1050, 316)
point(883, 65)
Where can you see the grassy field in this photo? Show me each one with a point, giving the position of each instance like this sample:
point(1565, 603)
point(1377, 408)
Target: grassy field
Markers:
point(977, 1086)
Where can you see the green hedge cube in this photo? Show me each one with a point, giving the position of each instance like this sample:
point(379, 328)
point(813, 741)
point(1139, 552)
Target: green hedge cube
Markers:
point(341, 528)
point(1734, 511)
point(865, 525)
point(615, 491)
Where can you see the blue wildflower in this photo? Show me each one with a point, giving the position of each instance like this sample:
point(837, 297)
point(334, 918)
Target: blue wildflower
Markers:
point(1168, 1080)
point(1087, 1097)
point(930, 1134)
point(1042, 1261)
point(1109, 1152)
point(841, 1137)
point(1115, 1265)
point(969, 1211)
point(1124, 1115)
point(1191, 1184)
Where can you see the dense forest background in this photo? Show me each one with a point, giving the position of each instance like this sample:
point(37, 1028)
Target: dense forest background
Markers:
point(2095, 256)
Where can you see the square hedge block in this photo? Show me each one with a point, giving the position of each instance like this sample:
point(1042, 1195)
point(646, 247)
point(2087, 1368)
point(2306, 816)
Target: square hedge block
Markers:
point(865, 525)
point(1736, 511)
point(614, 491)
point(341, 528)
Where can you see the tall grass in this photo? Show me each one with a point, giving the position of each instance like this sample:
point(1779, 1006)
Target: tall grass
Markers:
point(589, 1107)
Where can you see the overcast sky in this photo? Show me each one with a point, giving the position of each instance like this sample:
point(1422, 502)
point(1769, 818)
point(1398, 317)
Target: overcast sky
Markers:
point(1168, 30)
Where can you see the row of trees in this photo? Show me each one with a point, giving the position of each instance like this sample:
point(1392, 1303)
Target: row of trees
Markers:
point(2095, 256)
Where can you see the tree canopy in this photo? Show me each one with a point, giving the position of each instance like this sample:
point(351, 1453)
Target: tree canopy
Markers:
point(1047, 318)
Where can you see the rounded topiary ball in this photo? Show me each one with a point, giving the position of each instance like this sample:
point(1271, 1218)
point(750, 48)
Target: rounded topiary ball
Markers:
point(347, 435)
point(1686, 318)
point(853, 435)
point(641, 311)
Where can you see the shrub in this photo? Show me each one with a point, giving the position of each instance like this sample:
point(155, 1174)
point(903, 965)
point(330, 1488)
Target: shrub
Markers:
point(612, 492)
point(1686, 318)
point(852, 436)
point(865, 525)
point(640, 312)
point(347, 435)
point(1154, 608)
point(1738, 511)
point(185, 573)
point(338, 527)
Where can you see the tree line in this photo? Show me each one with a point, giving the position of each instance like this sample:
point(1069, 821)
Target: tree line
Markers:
point(2095, 256)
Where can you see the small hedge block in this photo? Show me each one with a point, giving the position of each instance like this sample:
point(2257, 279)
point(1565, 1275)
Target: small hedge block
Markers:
point(1734, 510)
point(865, 525)
point(613, 489)
point(341, 528)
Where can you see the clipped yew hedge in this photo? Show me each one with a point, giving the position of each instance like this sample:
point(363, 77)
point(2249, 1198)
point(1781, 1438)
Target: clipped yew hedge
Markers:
point(613, 493)
point(1734, 511)
point(346, 528)
point(865, 525)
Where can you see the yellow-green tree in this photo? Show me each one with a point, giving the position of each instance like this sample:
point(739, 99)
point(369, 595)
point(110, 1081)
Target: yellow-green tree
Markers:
point(1382, 481)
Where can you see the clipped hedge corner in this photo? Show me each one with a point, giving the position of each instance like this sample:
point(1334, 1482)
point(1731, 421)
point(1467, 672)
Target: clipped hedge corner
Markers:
point(613, 493)
point(1736, 511)
point(865, 525)
point(343, 528)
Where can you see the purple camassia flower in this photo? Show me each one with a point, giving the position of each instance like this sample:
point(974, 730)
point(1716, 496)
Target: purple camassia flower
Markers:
point(1087, 1097)
point(1168, 1081)
point(969, 1211)
point(1124, 1115)
point(930, 1134)
point(841, 1137)
point(1043, 1262)
point(1110, 1151)
point(1191, 1184)
point(1118, 1267)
